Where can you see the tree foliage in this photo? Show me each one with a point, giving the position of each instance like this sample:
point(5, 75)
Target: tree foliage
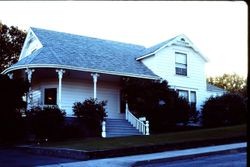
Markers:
point(154, 99)
point(11, 103)
point(233, 83)
point(46, 123)
point(228, 109)
point(11, 42)
point(91, 112)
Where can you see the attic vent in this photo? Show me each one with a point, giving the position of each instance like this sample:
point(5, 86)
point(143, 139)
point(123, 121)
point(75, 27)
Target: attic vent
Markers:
point(182, 39)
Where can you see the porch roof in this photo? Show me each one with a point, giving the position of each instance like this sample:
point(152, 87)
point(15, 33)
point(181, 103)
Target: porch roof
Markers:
point(214, 88)
point(68, 51)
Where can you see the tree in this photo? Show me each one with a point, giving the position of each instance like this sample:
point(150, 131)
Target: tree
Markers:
point(154, 99)
point(233, 83)
point(228, 109)
point(11, 42)
point(12, 91)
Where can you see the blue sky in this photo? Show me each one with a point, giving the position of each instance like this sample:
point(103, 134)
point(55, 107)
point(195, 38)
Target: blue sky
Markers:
point(218, 28)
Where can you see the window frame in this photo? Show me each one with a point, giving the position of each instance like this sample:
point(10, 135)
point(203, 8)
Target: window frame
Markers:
point(181, 68)
point(183, 90)
point(45, 99)
point(193, 103)
point(195, 97)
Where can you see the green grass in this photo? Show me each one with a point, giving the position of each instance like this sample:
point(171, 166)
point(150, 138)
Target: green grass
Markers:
point(91, 144)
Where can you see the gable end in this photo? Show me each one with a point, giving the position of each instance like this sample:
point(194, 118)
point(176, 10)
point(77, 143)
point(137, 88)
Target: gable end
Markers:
point(31, 44)
point(180, 40)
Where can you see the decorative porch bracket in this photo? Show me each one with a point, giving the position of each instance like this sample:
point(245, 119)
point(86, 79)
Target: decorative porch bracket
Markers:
point(60, 76)
point(29, 74)
point(10, 75)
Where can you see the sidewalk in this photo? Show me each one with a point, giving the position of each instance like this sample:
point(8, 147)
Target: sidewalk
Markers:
point(139, 160)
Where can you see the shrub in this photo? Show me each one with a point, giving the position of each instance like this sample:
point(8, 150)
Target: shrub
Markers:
point(91, 112)
point(162, 106)
point(46, 123)
point(73, 128)
point(229, 109)
point(11, 122)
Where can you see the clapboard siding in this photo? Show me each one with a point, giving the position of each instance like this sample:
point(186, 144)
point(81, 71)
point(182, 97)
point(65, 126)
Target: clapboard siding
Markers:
point(163, 64)
point(37, 95)
point(79, 90)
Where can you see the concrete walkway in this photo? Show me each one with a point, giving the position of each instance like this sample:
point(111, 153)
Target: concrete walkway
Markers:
point(127, 161)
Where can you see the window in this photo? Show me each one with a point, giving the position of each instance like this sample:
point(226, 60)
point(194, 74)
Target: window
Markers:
point(50, 96)
point(193, 97)
point(183, 93)
point(181, 63)
point(193, 100)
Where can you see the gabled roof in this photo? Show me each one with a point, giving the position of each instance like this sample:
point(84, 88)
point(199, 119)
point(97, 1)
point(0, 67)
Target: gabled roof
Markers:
point(154, 49)
point(64, 50)
point(214, 88)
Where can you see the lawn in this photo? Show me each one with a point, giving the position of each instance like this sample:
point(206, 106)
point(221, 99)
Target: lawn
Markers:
point(91, 144)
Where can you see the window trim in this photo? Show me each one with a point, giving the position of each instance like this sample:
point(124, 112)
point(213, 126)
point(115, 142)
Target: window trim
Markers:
point(181, 71)
point(44, 96)
point(195, 96)
point(183, 90)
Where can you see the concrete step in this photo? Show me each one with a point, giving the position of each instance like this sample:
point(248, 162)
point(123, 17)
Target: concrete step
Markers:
point(122, 131)
point(120, 127)
point(122, 135)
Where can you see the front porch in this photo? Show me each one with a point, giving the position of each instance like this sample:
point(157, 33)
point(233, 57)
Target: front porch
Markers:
point(62, 87)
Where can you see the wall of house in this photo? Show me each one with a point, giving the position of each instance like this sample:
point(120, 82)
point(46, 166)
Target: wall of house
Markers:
point(163, 65)
point(79, 90)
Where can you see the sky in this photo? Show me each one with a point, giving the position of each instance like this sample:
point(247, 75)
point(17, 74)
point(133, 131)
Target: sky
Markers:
point(219, 29)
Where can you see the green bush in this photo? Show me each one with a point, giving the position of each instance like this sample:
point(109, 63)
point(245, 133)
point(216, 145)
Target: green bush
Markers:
point(91, 112)
point(229, 109)
point(46, 123)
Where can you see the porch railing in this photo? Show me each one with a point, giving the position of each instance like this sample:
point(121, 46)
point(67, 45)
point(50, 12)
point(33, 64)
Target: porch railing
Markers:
point(141, 124)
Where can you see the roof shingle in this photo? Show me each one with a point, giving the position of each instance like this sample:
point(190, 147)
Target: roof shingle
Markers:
point(87, 53)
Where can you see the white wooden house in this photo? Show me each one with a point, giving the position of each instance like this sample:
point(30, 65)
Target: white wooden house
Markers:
point(65, 68)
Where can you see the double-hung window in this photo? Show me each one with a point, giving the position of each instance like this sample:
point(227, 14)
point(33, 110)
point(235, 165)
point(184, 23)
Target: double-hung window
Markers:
point(181, 63)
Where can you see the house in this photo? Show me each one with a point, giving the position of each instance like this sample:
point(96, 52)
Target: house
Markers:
point(63, 68)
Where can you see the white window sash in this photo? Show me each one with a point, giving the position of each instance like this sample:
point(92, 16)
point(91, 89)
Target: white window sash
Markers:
point(180, 58)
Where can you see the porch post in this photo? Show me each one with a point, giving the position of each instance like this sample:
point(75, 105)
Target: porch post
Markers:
point(10, 75)
point(60, 75)
point(147, 128)
point(104, 129)
point(29, 95)
point(95, 76)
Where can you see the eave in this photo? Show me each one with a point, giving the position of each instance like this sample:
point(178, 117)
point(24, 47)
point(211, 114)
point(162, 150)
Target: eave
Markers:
point(56, 66)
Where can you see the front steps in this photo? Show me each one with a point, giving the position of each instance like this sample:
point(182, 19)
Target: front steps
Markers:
point(120, 127)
